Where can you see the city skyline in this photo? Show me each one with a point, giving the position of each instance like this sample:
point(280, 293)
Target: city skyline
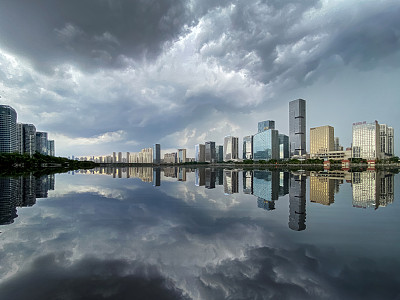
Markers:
point(102, 83)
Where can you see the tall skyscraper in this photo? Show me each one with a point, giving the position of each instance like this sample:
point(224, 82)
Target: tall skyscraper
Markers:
point(266, 145)
point(41, 142)
point(8, 129)
point(366, 140)
point(20, 138)
point(321, 140)
point(181, 155)
point(248, 147)
point(51, 148)
point(200, 153)
point(265, 125)
point(219, 153)
point(297, 127)
point(387, 140)
point(231, 148)
point(283, 146)
point(210, 152)
point(29, 139)
point(156, 153)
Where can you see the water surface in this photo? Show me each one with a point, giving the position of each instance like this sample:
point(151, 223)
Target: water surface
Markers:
point(203, 233)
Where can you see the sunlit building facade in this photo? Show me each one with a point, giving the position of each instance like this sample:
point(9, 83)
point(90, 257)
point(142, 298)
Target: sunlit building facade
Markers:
point(366, 140)
point(322, 140)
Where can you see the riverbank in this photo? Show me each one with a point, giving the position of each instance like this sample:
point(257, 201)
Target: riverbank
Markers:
point(18, 164)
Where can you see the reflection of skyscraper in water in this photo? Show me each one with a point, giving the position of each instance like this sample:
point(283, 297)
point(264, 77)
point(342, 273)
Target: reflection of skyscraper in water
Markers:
point(266, 188)
point(200, 177)
point(248, 182)
point(156, 177)
point(171, 172)
point(210, 178)
point(322, 189)
point(297, 202)
point(283, 183)
point(29, 190)
point(219, 176)
point(8, 199)
point(43, 185)
point(372, 189)
point(181, 174)
point(231, 181)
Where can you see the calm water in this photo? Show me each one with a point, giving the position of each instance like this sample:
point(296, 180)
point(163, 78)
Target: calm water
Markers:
point(176, 233)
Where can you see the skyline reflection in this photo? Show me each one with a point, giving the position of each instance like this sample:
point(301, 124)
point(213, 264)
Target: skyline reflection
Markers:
point(370, 189)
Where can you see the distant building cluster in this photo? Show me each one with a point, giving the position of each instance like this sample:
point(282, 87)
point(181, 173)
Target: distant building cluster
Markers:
point(22, 138)
point(371, 141)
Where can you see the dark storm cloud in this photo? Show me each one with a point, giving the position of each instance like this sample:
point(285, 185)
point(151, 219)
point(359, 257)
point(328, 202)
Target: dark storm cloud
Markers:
point(89, 33)
point(53, 276)
point(289, 40)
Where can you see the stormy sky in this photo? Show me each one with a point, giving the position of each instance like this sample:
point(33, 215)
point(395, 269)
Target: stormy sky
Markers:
point(103, 76)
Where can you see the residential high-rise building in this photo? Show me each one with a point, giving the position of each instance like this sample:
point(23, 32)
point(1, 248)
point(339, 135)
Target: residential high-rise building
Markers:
point(114, 157)
point(181, 155)
point(265, 125)
point(200, 153)
point(297, 127)
point(266, 145)
point(20, 138)
point(51, 148)
point(248, 147)
point(156, 153)
point(210, 152)
point(366, 140)
point(29, 137)
point(170, 158)
point(387, 140)
point(120, 157)
point(231, 148)
point(321, 140)
point(283, 146)
point(8, 129)
point(219, 153)
point(41, 142)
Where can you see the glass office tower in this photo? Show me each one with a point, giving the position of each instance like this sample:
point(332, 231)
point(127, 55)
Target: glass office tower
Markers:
point(297, 127)
point(199, 150)
point(8, 129)
point(156, 154)
point(266, 145)
point(265, 125)
point(283, 146)
point(210, 152)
